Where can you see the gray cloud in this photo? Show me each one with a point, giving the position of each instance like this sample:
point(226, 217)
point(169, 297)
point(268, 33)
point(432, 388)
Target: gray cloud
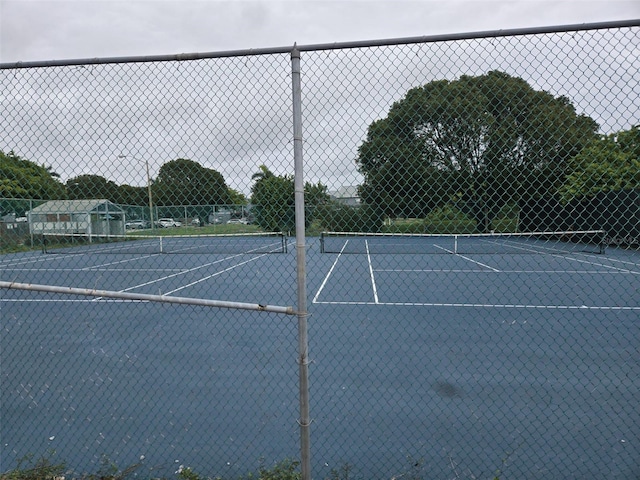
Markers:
point(234, 114)
point(57, 29)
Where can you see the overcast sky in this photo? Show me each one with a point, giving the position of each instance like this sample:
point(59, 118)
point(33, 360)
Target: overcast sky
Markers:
point(233, 114)
point(63, 29)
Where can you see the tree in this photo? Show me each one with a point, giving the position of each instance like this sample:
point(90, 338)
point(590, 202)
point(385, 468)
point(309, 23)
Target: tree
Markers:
point(263, 174)
point(483, 142)
point(185, 182)
point(273, 203)
point(609, 163)
point(237, 198)
point(130, 195)
point(21, 178)
point(273, 199)
point(91, 186)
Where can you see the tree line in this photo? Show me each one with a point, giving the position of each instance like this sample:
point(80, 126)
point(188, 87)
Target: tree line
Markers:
point(179, 182)
point(483, 143)
point(476, 145)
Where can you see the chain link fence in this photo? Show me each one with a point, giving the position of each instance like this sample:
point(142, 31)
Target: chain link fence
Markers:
point(470, 260)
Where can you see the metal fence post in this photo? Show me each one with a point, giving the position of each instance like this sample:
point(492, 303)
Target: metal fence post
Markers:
point(303, 346)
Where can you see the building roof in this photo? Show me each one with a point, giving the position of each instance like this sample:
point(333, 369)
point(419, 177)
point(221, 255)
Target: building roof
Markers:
point(349, 191)
point(67, 206)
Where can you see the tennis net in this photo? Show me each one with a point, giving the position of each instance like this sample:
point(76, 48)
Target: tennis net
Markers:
point(591, 241)
point(243, 243)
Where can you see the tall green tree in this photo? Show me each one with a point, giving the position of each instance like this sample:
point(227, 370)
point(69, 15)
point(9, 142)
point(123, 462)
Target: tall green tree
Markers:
point(273, 203)
point(273, 199)
point(609, 163)
point(130, 195)
point(91, 186)
point(484, 141)
point(263, 173)
point(237, 198)
point(185, 182)
point(21, 178)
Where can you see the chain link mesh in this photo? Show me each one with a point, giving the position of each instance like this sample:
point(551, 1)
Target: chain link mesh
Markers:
point(473, 224)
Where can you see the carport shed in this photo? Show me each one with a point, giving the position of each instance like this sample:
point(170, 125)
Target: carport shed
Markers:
point(89, 217)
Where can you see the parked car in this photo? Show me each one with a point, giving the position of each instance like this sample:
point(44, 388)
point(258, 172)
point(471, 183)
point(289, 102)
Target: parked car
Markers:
point(243, 221)
point(136, 225)
point(168, 223)
point(195, 222)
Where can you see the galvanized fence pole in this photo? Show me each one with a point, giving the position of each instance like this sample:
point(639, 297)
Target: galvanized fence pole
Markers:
point(303, 346)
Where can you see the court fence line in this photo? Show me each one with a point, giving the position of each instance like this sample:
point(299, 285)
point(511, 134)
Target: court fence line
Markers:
point(460, 134)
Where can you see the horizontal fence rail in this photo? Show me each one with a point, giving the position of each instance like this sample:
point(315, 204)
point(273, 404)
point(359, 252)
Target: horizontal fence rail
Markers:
point(201, 302)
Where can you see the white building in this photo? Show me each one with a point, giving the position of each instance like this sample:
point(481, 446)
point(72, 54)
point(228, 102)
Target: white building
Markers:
point(88, 217)
point(346, 195)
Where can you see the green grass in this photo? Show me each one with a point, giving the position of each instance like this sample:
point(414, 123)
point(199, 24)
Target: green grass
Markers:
point(29, 468)
point(13, 247)
point(44, 468)
point(191, 230)
point(449, 220)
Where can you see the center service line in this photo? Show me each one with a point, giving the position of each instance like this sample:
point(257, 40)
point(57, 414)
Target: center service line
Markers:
point(373, 280)
point(326, 278)
point(182, 272)
point(228, 269)
point(466, 258)
point(166, 277)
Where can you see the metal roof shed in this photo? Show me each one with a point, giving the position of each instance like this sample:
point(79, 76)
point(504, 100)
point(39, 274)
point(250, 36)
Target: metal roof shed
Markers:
point(88, 217)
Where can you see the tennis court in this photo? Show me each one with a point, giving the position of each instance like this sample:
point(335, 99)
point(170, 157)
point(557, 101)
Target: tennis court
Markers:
point(485, 355)
point(482, 322)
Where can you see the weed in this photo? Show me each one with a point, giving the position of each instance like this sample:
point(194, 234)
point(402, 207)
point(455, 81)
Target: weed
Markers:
point(284, 470)
point(110, 471)
point(341, 474)
point(187, 473)
point(28, 469)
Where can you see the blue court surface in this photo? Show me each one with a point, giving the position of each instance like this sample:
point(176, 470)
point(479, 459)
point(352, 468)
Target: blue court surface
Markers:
point(456, 365)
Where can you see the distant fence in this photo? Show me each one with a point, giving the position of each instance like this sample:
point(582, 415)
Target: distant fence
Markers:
point(616, 212)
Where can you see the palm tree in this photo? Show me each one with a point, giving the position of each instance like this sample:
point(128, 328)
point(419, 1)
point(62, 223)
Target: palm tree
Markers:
point(263, 174)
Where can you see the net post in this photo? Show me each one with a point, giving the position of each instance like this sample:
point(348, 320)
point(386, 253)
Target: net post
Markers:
point(303, 344)
point(603, 242)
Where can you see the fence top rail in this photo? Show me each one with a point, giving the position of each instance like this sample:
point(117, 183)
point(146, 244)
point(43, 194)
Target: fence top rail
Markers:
point(181, 57)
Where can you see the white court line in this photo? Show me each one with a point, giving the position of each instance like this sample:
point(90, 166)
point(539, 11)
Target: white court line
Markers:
point(557, 272)
point(166, 277)
point(182, 272)
point(466, 258)
point(393, 304)
point(552, 253)
point(215, 274)
point(489, 305)
point(39, 259)
point(373, 279)
point(619, 260)
point(326, 278)
point(84, 269)
point(134, 259)
point(596, 264)
point(572, 258)
point(66, 300)
point(478, 263)
point(541, 249)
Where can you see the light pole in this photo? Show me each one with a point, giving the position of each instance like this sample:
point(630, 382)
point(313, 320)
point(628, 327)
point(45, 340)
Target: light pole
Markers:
point(146, 162)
